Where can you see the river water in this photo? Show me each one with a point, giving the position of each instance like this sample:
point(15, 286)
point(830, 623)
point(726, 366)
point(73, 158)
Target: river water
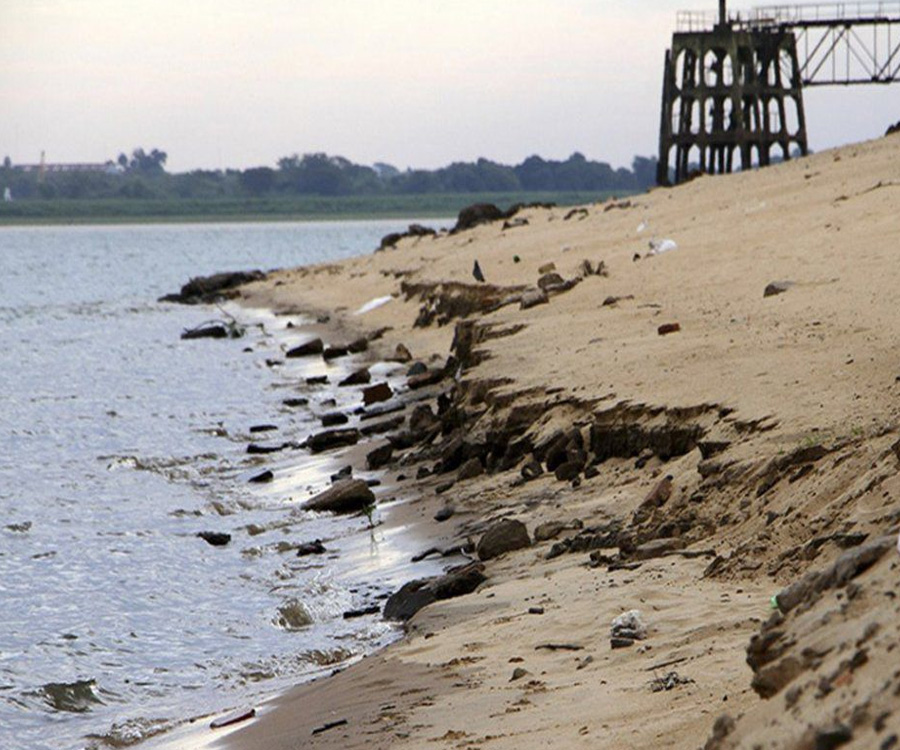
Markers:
point(118, 444)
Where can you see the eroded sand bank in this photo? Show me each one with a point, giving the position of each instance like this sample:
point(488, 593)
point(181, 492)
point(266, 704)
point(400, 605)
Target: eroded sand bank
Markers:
point(775, 419)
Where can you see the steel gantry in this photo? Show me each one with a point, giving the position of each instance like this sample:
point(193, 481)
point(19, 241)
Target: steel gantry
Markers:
point(733, 83)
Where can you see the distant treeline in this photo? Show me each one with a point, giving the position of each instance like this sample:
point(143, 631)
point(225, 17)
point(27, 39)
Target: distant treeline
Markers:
point(143, 177)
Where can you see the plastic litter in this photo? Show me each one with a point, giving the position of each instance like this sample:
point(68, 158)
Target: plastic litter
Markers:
point(373, 304)
point(658, 247)
point(629, 625)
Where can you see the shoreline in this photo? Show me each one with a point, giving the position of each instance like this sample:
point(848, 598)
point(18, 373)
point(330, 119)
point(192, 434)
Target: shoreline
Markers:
point(719, 456)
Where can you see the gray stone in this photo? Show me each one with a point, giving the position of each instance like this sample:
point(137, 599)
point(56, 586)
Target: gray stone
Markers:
point(329, 439)
point(504, 536)
point(777, 287)
point(346, 496)
point(470, 469)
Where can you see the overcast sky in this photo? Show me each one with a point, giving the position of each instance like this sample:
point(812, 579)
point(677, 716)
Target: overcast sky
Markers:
point(419, 83)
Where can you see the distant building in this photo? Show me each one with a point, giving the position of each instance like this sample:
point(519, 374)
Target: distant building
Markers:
point(107, 168)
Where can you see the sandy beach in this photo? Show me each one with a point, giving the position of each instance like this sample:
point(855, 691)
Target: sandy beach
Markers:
point(697, 419)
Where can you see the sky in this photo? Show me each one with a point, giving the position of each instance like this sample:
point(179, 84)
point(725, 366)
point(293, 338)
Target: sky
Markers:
point(414, 83)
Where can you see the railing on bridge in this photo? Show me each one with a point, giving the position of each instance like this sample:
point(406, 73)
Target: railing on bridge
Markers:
point(839, 43)
point(824, 13)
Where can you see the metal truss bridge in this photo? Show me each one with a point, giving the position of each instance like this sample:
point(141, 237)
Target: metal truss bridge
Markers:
point(844, 43)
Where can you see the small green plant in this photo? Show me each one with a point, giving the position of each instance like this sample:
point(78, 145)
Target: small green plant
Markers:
point(369, 513)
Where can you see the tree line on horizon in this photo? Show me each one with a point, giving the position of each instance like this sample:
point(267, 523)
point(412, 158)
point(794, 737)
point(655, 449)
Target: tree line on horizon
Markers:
point(143, 176)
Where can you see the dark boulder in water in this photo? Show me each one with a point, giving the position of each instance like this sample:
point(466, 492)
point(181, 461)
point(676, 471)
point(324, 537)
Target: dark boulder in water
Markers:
point(215, 538)
point(76, 697)
point(206, 331)
point(345, 496)
point(415, 595)
point(210, 288)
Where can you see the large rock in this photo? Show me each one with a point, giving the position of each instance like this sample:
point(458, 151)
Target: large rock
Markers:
point(415, 595)
point(358, 377)
point(478, 213)
point(379, 457)
point(329, 439)
point(504, 536)
point(210, 288)
point(346, 496)
point(376, 393)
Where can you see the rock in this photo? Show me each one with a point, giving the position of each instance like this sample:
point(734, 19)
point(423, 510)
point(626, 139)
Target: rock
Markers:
point(568, 471)
point(334, 418)
point(666, 328)
point(629, 625)
point(345, 496)
point(832, 736)
point(311, 347)
point(847, 566)
point(263, 428)
point(390, 240)
point(293, 403)
point(895, 128)
point(656, 498)
point(478, 213)
point(262, 477)
point(292, 615)
point(518, 674)
point(344, 473)
point(657, 548)
point(401, 354)
point(358, 377)
point(335, 352)
point(550, 280)
point(415, 595)
point(423, 421)
point(208, 331)
point(254, 449)
point(504, 536)
point(416, 368)
point(319, 380)
point(547, 268)
point(620, 642)
point(470, 469)
point(215, 538)
point(376, 393)
point(352, 614)
point(209, 288)
point(533, 298)
point(444, 514)
point(429, 377)
point(379, 457)
point(311, 548)
point(550, 530)
point(581, 213)
point(777, 287)
point(357, 346)
point(532, 470)
point(443, 487)
point(330, 439)
point(379, 428)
